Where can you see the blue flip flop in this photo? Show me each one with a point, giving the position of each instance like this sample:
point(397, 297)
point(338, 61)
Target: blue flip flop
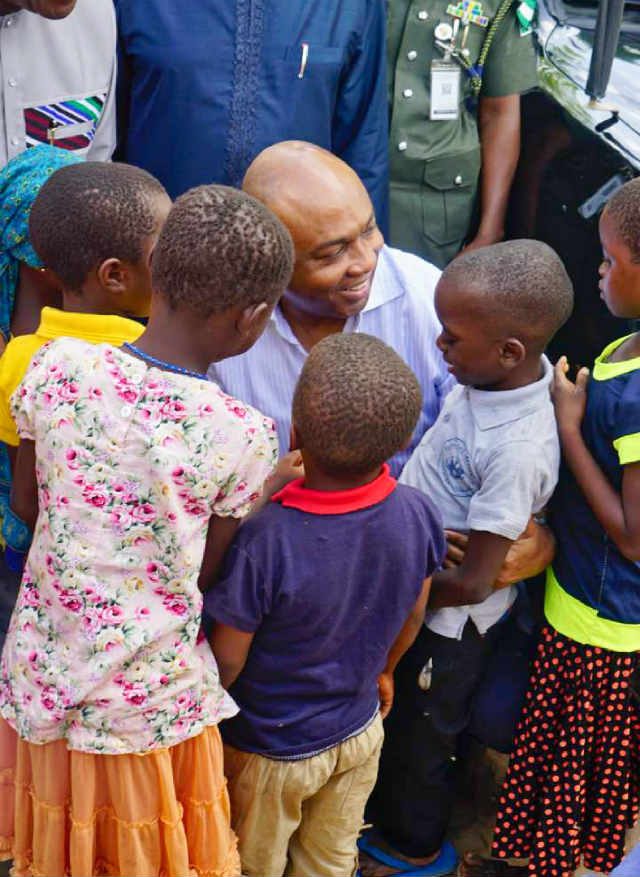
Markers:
point(443, 865)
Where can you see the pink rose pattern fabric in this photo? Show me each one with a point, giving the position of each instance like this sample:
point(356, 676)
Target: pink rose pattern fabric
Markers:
point(104, 646)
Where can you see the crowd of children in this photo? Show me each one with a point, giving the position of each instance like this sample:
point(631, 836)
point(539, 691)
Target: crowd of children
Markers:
point(144, 510)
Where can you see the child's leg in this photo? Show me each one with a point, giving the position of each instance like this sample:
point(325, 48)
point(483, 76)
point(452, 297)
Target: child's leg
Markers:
point(8, 751)
point(266, 805)
point(325, 842)
point(571, 789)
point(411, 803)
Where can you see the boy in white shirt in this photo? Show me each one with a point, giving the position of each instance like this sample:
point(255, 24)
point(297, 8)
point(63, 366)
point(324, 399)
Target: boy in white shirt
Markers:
point(489, 462)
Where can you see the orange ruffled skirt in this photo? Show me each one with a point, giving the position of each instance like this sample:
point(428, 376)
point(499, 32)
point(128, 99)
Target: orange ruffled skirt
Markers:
point(160, 814)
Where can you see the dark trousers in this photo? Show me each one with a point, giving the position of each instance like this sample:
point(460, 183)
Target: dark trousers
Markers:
point(412, 801)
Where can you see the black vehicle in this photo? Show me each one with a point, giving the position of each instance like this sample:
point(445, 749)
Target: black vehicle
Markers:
point(580, 142)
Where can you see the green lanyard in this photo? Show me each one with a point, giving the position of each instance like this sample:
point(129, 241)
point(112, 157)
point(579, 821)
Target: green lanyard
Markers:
point(475, 71)
point(525, 14)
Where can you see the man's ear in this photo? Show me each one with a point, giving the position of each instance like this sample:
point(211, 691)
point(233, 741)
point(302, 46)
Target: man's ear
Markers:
point(512, 352)
point(252, 319)
point(112, 276)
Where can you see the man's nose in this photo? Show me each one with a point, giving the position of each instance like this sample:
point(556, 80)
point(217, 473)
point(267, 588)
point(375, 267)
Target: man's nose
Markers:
point(364, 258)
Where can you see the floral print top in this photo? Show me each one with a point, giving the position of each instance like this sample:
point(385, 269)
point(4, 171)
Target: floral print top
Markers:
point(103, 647)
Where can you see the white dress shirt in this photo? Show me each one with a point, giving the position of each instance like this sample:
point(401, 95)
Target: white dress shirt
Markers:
point(400, 312)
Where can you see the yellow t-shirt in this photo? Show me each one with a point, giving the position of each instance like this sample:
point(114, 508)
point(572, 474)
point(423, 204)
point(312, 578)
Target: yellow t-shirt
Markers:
point(14, 362)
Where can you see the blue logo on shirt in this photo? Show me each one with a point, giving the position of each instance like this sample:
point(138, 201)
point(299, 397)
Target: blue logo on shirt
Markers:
point(455, 468)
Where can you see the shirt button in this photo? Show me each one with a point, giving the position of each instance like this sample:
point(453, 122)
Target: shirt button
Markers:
point(408, 92)
point(13, 82)
point(423, 15)
point(412, 55)
point(126, 411)
point(15, 141)
point(402, 145)
point(457, 180)
point(8, 22)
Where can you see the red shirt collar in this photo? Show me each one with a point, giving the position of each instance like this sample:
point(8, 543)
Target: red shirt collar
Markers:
point(336, 502)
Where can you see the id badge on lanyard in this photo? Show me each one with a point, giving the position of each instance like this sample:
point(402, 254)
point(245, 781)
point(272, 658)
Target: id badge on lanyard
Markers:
point(445, 90)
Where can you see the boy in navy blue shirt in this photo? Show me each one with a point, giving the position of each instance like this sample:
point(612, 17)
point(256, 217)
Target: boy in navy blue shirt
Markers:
point(323, 592)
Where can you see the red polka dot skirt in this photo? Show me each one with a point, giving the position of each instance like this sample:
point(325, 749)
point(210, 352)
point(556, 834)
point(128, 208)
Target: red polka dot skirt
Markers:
point(573, 785)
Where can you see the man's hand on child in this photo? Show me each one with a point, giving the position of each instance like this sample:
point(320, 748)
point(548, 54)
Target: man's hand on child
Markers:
point(569, 399)
point(529, 555)
point(385, 693)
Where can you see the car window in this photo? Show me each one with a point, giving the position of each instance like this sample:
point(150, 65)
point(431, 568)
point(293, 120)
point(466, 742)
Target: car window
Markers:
point(583, 14)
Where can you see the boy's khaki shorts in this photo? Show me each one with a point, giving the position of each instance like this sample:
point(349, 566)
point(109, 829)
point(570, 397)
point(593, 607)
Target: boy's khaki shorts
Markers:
point(302, 818)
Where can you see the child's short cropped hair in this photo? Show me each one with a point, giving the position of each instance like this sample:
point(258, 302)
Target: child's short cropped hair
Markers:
point(221, 248)
point(623, 209)
point(93, 211)
point(521, 285)
point(356, 404)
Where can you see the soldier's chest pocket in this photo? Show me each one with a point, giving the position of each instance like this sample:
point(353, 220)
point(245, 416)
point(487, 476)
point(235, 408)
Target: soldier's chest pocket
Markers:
point(449, 189)
point(67, 122)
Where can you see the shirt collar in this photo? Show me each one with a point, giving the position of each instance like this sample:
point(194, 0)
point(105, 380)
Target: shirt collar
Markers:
point(604, 370)
point(496, 408)
point(386, 287)
point(388, 283)
point(336, 502)
point(95, 328)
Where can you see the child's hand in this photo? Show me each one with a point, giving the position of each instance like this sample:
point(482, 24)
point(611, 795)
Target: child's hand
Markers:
point(385, 693)
point(288, 469)
point(569, 399)
point(456, 547)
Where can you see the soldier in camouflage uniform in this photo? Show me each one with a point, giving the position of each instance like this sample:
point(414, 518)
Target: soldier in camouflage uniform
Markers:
point(451, 115)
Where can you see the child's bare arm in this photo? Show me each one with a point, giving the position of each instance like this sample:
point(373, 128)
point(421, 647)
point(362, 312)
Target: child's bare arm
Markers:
point(230, 647)
point(529, 555)
point(219, 537)
point(403, 641)
point(474, 580)
point(619, 514)
point(24, 487)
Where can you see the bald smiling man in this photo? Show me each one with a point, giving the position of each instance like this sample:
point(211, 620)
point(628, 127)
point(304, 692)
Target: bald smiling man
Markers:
point(345, 280)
